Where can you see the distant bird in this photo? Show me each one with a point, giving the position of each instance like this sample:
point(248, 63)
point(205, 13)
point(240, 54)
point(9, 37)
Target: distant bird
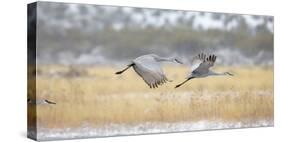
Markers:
point(148, 67)
point(39, 102)
point(200, 68)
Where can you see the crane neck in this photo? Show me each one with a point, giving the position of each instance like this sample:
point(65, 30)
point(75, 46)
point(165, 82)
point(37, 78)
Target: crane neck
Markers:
point(216, 73)
point(162, 59)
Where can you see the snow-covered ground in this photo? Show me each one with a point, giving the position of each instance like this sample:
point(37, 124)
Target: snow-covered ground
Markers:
point(145, 128)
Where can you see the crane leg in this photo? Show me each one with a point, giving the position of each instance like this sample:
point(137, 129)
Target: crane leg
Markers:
point(184, 82)
point(119, 72)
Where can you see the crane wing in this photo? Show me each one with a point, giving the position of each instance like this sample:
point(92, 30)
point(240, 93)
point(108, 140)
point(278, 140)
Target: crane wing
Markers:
point(202, 63)
point(150, 71)
point(197, 60)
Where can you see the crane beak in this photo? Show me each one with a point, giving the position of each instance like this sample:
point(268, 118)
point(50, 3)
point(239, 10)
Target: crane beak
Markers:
point(230, 74)
point(180, 62)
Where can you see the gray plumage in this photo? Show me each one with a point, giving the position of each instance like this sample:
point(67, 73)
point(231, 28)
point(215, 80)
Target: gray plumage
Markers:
point(149, 69)
point(201, 67)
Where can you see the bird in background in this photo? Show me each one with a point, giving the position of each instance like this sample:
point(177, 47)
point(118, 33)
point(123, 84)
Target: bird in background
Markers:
point(201, 65)
point(148, 67)
point(39, 102)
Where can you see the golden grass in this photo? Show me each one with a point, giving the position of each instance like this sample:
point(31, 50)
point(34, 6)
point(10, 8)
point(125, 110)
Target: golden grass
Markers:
point(100, 97)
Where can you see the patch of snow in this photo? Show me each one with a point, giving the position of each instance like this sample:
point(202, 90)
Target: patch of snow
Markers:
point(144, 128)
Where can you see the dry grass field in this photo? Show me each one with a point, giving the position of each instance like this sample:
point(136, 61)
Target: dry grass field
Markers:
point(96, 96)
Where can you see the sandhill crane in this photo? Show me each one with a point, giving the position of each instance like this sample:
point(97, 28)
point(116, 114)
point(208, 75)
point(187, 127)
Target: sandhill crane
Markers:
point(200, 68)
point(39, 101)
point(148, 67)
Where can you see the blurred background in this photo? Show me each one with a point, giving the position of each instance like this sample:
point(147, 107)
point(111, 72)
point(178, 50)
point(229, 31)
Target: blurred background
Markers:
point(79, 34)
